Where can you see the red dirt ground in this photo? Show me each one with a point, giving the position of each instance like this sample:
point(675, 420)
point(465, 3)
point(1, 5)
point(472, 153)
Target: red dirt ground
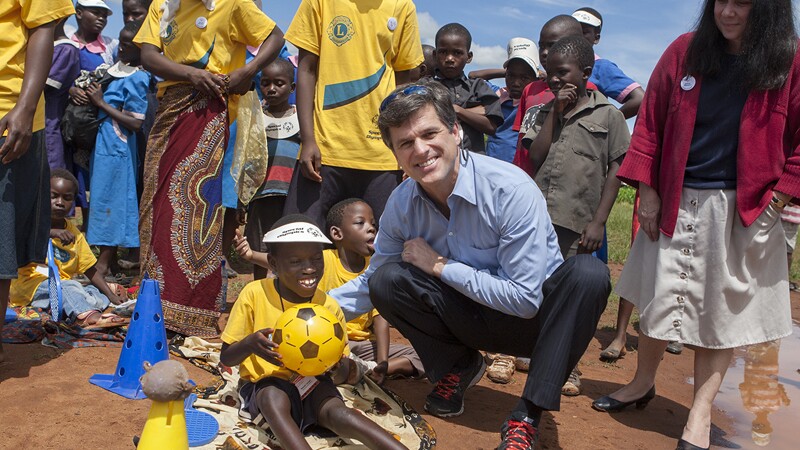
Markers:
point(46, 402)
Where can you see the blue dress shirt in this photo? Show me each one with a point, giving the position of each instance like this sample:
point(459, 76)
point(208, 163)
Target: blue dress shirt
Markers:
point(499, 241)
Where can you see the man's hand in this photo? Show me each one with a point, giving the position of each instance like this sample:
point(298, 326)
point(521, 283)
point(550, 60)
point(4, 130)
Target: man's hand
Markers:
point(207, 83)
point(260, 345)
point(78, 96)
point(64, 235)
point(95, 94)
point(566, 97)
point(591, 238)
point(19, 124)
point(649, 210)
point(418, 253)
point(311, 161)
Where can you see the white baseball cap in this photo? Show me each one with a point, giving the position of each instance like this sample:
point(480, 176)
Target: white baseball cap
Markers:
point(95, 4)
point(524, 49)
point(587, 18)
point(296, 232)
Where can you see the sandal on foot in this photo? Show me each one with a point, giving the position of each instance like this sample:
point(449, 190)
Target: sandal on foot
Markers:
point(611, 354)
point(573, 385)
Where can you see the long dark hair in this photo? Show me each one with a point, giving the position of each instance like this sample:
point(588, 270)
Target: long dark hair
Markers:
point(768, 45)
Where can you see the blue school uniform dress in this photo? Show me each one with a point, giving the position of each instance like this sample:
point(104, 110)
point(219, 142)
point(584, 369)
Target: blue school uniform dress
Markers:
point(114, 220)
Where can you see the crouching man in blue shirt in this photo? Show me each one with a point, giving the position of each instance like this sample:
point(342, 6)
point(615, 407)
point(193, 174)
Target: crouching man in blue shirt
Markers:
point(466, 259)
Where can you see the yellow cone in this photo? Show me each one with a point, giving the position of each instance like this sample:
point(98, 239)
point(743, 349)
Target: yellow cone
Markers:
point(165, 428)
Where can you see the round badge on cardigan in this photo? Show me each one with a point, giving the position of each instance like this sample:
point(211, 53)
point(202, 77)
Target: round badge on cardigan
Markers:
point(201, 22)
point(687, 83)
point(392, 24)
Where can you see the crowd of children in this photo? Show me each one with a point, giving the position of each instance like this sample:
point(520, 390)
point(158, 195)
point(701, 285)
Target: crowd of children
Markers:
point(552, 119)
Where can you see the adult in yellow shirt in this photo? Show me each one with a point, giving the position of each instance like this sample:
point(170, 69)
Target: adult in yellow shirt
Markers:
point(353, 53)
point(198, 49)
point(26, 51)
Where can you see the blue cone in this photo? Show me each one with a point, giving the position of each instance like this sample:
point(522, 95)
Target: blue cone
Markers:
point(146, 341)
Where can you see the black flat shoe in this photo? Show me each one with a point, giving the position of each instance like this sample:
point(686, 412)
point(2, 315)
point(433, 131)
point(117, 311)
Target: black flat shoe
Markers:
point(608, 404)
point(683, 445)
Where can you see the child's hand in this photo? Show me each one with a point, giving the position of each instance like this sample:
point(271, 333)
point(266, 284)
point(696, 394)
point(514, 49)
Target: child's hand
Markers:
point(78, 96)
point(260, 345)
point(378, 374)
point(95, 94)
point(117, 299)
point(242, 246)
point(65, 236)
point(566, 97)
point(591, 238)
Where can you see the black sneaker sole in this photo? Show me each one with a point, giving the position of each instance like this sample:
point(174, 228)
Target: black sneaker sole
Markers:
point(472, 383)
point(445, 415)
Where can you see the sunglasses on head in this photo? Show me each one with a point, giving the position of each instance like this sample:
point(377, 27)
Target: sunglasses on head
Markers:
point(415, 89)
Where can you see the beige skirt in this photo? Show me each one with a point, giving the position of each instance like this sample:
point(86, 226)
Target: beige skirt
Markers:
point(715, 283)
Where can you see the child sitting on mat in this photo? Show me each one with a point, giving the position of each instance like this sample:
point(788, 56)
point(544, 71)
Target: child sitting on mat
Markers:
point(83, 305)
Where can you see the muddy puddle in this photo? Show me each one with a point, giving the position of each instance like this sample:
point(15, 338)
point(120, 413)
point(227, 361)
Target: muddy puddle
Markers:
point(761, 393)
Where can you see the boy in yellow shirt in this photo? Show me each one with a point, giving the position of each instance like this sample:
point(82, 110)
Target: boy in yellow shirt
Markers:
point(82, 304)
point(351, 225)
point(295, 257)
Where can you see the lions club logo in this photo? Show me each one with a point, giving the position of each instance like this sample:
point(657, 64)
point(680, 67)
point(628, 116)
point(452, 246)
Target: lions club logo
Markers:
point(340, 30)
point(171, 32)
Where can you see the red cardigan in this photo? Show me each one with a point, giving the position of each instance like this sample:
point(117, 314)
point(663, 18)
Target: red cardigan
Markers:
point(768, 156)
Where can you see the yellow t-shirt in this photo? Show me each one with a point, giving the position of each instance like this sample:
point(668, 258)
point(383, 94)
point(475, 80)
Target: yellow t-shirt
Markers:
point(360, 328)
point(259, 305)
point(71, 260)
point(16, 18)
point(360, 45)
point(336, 275)
point(212, 40)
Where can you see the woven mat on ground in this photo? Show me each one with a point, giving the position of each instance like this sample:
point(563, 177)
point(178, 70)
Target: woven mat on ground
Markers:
point(34, 324)
point(221, 399)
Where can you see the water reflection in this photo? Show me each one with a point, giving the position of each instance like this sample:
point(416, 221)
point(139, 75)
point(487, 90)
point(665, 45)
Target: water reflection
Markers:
point(762, 393)
point(757, 395)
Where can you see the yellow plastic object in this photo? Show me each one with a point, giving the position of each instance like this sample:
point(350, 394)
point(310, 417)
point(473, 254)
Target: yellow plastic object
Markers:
point(165, 428)
point(310, 339)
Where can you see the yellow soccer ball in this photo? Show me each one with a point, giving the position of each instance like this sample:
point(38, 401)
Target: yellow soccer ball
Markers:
point(310, 339)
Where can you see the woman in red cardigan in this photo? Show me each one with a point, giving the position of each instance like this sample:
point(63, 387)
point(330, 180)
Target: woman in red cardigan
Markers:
point(715, 154)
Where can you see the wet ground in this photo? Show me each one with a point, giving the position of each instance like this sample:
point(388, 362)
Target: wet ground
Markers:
point(761, 394)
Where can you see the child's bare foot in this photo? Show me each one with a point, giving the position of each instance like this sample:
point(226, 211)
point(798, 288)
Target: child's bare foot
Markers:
point(91, 320)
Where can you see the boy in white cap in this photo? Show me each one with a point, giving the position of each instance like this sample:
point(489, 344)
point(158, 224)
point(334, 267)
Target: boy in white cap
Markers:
point(295, 247)
point(609, 79)
point(521, 68)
